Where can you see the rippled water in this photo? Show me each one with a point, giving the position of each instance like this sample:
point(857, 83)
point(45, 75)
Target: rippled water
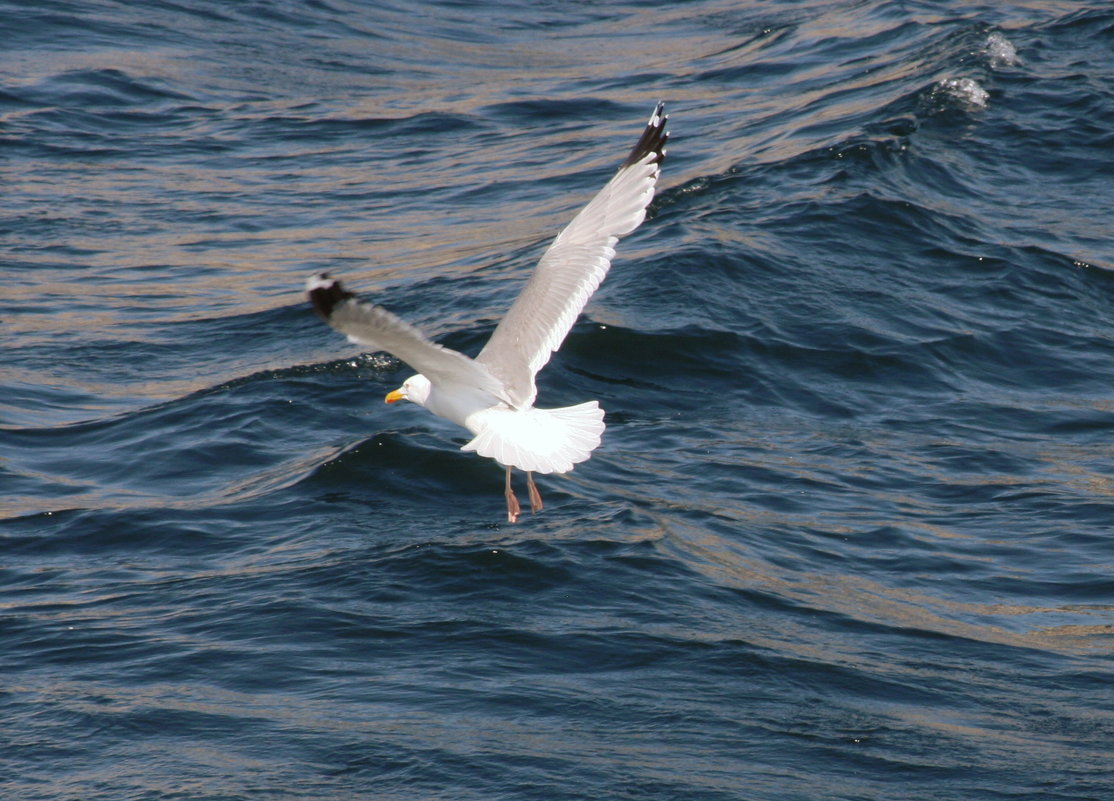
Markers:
point(849, 532)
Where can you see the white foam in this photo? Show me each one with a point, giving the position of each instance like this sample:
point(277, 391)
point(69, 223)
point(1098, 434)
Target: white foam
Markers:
point(966, 91)
point(1001, 51)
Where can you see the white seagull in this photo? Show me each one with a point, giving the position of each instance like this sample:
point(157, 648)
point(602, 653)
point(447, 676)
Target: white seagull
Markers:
point(493, 395)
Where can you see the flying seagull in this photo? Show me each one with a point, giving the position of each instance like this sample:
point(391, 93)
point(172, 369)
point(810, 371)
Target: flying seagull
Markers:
point(493, 395)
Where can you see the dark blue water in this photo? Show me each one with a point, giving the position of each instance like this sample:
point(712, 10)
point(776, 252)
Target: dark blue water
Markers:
point(849, 535)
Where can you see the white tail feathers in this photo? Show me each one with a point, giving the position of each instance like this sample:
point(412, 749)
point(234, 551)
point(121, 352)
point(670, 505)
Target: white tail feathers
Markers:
point(541, 440)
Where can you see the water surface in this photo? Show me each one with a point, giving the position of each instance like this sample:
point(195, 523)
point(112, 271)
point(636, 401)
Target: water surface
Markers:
point(848, 534)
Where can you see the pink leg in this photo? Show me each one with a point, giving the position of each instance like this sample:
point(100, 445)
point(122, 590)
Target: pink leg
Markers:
point(513, 509)
point(535, 496)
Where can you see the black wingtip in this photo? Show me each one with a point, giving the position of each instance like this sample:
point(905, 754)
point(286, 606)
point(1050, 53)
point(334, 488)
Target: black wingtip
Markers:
point(324, 293)
point(653, 139)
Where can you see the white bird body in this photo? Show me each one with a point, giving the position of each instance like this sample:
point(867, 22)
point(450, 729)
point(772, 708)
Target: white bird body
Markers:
point(532, 439)
point(493, 395)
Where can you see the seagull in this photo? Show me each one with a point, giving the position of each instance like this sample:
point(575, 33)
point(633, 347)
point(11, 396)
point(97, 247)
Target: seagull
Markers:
point(493, 394)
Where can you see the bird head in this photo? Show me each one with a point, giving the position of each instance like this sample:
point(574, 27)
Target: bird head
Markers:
point(414, 389)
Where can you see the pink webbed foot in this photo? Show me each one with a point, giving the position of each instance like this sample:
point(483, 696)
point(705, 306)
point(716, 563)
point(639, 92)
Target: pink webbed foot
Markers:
point(535, 496)
point(513, 509)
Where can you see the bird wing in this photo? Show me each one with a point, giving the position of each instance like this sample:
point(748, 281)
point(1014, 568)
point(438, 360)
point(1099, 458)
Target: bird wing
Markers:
point(572, 267)
point(376, 328)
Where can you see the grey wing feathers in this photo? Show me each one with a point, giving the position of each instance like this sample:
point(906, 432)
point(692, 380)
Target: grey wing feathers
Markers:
point(378, 329)
point(572, 268)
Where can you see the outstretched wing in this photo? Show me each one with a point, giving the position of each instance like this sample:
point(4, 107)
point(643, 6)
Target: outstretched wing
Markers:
point(571, 269)
point(378, 329)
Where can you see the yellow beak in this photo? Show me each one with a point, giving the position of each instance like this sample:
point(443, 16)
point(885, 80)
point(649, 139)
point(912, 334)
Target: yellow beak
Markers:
point(395, 396)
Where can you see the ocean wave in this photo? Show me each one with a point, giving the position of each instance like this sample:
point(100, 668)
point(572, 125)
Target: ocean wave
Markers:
point(848, 524)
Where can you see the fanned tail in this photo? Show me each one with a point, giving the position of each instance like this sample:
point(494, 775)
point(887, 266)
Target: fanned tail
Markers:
point(558, 438)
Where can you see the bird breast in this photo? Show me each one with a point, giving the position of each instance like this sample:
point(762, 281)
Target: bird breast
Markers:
point(460, 403)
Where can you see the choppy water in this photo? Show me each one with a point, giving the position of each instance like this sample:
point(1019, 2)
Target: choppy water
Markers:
point(849, 533)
